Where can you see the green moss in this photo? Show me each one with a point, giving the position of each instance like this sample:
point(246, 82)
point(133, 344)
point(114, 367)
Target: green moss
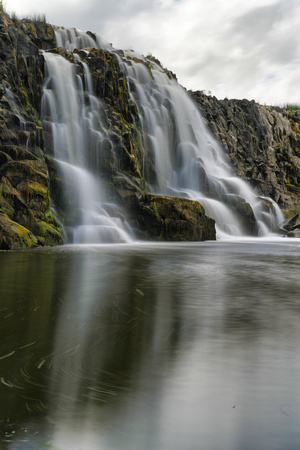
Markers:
point(13, 235)
point(26, 104)
point(49, 31)
point(6, 199)
point(34, 188)
point(289, 213)
point(50, 217)
point(31, 29)
point(295, 127)
point(48, 234)
point(174, 219)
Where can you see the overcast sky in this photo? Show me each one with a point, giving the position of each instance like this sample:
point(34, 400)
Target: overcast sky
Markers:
point(233, 48)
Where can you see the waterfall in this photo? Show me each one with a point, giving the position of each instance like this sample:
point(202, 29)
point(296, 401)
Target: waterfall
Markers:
point(189, 162)
point(74, 116)
point(188, 159)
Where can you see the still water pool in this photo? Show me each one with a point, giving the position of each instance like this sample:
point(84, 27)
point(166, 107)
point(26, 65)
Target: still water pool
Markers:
point(151, 346)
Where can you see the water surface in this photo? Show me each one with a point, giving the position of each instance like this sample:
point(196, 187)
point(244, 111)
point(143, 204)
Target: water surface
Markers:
point(151, 346)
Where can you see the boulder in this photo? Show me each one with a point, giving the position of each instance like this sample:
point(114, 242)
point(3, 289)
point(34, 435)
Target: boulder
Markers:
point(174, 219)
point(14, 236)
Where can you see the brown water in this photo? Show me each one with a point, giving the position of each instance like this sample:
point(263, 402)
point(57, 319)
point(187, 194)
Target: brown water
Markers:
point(171, 346)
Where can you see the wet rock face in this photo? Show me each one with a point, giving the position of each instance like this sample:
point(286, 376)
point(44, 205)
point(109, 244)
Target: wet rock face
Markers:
point(174, 219)
point(261, 142)
point(25, 216)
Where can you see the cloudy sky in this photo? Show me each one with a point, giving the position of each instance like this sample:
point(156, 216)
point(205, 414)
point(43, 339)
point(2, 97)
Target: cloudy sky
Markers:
point(232, 48)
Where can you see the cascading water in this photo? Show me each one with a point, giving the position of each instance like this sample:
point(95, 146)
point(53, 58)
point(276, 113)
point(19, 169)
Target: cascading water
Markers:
point(74, 114)
point(71, 38)
point(189, 162)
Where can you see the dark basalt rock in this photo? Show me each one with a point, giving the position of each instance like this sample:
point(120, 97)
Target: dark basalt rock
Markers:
point(174, 219)
point(25, 216)
point(291, 227)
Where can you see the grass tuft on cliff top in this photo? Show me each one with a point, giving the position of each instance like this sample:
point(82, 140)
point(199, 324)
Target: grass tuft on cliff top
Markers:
point(291, 106)
point(39, 18)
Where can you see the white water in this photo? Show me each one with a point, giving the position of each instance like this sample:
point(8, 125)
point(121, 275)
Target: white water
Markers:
point(189, 162)
point(76, 123)
point(71, 38)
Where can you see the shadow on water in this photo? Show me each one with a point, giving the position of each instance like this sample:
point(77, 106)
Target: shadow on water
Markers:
point(151, 346)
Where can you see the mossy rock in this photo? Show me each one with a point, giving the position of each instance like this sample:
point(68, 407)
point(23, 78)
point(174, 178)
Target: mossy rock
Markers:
point(16, 171)
point(25, 205)
point(47, 234)
point(174, 219)
point(14, 236)
point(36, 195)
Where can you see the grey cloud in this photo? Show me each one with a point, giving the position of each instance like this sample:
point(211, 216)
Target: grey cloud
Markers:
point(208, 45)
point(259, 20)
point(260, 24)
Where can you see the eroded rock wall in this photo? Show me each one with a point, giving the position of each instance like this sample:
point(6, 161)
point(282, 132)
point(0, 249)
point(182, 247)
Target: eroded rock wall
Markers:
point(26, 219)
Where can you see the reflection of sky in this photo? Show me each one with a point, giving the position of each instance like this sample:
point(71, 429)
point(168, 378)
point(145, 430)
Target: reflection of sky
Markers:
point(227, 48)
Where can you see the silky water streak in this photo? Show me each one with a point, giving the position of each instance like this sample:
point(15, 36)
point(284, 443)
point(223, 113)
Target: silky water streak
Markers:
point(73, 114)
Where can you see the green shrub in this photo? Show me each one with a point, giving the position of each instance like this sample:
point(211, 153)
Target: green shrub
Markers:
point(291, 106)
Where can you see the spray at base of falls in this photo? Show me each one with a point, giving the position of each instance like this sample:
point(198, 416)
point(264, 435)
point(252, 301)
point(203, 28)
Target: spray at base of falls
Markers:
point(74, 115)
point(189, 162)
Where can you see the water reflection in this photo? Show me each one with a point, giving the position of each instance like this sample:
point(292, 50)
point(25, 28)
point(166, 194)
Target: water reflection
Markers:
point(151, 346)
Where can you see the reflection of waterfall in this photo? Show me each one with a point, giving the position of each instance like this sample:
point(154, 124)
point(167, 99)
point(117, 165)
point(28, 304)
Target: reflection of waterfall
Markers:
point(188, 161)
point(118, 325)
point(75, 116)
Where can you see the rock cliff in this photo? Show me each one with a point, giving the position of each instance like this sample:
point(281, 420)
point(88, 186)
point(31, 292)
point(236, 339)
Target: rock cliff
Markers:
point(262, 143)
point(26, 219)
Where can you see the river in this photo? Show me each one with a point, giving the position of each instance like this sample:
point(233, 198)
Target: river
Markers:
point(151, 346)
